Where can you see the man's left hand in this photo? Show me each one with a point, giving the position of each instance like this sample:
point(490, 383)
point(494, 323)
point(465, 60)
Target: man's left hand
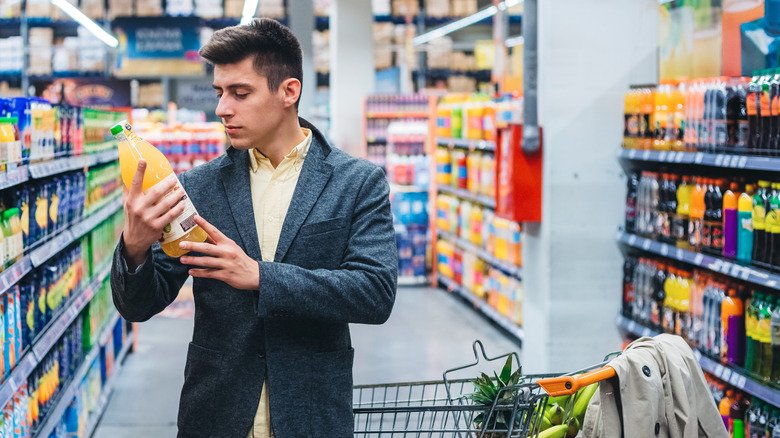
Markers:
point(222, 260)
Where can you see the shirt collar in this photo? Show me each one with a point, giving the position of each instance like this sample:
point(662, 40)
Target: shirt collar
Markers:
point(298, 153)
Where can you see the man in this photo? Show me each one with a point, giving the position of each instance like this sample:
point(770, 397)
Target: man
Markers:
point(301, 244)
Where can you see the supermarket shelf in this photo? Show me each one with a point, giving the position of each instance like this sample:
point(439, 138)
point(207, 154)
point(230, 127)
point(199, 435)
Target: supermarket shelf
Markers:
point(67, 164)
point(16, 272)
point(413, 280)
point(722, 266)
point(439, 21)
point(479, 75)
point(67, 394)
point(376, 140)
point(40, 255)
point(107, 389)
point(507, 268)
point(57, 328)
point(14, 177)
point(726, 161)
point(736, 377)
point(472, 145)
point(465, 194)
point(398, 115)
point(484, 308)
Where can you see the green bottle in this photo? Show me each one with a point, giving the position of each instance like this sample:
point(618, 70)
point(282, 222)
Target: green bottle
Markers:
point(751, 317)
point(764, 333)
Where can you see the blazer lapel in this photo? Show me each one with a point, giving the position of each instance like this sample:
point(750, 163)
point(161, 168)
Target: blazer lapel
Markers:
point(315, 174)
point(235, 180)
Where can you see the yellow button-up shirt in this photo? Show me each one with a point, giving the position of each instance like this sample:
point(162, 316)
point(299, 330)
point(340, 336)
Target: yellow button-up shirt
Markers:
point(272, 191)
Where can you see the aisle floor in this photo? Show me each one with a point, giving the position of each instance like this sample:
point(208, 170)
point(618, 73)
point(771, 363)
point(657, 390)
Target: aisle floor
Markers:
point(428, 332)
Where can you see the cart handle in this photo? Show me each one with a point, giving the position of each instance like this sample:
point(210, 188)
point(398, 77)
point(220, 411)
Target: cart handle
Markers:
point(567, 385)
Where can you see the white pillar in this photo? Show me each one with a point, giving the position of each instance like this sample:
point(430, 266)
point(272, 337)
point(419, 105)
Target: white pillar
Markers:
point(351, 71)
point(302, 24)
point(590, 51)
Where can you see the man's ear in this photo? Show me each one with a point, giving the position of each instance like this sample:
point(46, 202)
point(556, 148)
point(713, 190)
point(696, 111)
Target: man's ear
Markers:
point(291, 91)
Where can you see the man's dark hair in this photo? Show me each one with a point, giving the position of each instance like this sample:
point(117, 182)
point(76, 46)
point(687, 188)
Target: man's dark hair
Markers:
point(277, 52)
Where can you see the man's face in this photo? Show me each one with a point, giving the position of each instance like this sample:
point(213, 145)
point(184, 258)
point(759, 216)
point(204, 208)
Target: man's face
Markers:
point(249, 111)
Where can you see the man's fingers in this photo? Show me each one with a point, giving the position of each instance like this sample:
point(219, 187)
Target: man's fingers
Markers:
point(203, 262)
point(165, 205)
point(203, 273)
point(159, 190)
point(215, 235)
point(136, 187)
point(169, 216)
point(202, 248)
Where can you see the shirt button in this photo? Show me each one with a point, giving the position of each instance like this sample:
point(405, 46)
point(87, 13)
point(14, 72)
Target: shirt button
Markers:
point(657, 428)
point(646, 370)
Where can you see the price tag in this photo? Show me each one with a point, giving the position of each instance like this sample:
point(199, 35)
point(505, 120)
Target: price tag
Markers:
point(726, 374)
point(742, 162)
point(646, 244)
point(698, 259)
point(632, 154)
point(646, 155)
point(740, 381)
point(679, 157)
point(646, 332)
point(662, 156)
point(771, 283)
point(631, 327)
point(664, 250)
point(698, 158)
point(719, 159)
point(718, 370)
point(679, 254)
point(632, 240)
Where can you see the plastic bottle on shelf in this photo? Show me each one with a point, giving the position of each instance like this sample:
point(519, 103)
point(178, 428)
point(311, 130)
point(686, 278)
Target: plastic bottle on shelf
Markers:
point(730, 221)
point(133, 149)
point(724, 407)
point(764, 333)
point(473, 161)
point(677, 109)
point(736, 115)
point(697, 209)
point(775, 341)
point(752, 110)
point(745, 225)
point(733, 329)
point(760, 201)
point(772, 226)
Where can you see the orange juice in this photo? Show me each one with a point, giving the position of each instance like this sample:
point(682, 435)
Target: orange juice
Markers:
point(133, 149)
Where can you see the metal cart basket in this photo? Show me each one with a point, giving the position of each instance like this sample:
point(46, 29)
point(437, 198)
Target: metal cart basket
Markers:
point(445, 409)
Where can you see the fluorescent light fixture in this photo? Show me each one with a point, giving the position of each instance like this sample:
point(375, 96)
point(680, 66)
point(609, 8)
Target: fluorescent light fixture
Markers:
point(514, 41)
point(85, 21)
point(250, 9)
point(463, 22)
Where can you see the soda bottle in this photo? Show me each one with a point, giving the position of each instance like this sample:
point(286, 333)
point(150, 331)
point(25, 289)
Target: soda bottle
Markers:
point(760, 203)
point(631, 200)
point(737, 417)
point(733, 329)
point(745, 225)
point(736, 116)
point(629, 266)
point(772, 226)
point(716, 217)
point(766, 117)
point(697, 209)
point(646, 121)
point(774, 110)
point(730, 221)
point(630, 124)
point(658, 296)
point(719, 132)
point(706, 230)
point(133, 149)
point(663, 130)
point(677, 109)
point(753, 113)
point(753, 419)
point(773, 424)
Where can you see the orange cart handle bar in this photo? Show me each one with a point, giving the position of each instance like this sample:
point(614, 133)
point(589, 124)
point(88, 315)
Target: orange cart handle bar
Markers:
point(567, 385)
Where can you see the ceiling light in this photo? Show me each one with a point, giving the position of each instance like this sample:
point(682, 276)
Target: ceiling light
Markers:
point(88, 23)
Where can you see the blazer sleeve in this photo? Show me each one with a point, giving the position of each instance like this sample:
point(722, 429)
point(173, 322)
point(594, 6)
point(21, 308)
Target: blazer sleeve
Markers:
point(362, 290)
point(153, 286)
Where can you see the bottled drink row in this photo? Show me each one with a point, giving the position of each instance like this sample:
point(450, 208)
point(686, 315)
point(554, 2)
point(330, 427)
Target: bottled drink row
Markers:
point(722, 216)
point(473, 171)
point(391, 103)
point(743, 415)
point(723, 318)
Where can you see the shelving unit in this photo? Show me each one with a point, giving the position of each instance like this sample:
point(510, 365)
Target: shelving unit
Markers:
point(485, 309)
point(737, 378)
point(723, 161)
point(469, 196)
point(471, 145)
point(729, 268)
point(507, 268)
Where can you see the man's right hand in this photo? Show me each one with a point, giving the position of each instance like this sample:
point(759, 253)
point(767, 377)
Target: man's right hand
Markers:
point(146, 214)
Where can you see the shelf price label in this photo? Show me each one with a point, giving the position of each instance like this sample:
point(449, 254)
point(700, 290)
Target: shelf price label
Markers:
point(646, 244)
point(662, 156)
point(698, 158)
point(664, 250)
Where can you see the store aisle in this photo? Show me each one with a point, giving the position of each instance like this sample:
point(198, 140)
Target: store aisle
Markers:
point(428, 332)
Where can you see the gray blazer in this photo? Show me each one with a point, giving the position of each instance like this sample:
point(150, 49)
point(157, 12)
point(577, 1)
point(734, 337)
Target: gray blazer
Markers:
point(336, 263)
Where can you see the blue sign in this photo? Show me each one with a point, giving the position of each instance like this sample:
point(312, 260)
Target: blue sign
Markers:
point(159, 37)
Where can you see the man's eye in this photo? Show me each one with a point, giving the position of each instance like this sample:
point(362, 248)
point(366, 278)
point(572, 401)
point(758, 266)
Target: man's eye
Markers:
point(242, 95)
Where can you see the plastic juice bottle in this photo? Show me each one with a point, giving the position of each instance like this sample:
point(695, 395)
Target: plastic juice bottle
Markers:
point(733, 329)
point(697, 208)
point(724, 407)
point(472, 171)
point(764, 331)
point(730, 221)
point(661, 116)
point(716, 216)
point(456, 121)
point(647, 122)
point(772, 226)
point(6, 138)
point(745, 225)
point(10, 233)
point(678, 118)
point(680, 228)
point(736, 424)
point(751, 108)
point(133, 149)
point(766, 118)
point(759, 222)
point(752, 359)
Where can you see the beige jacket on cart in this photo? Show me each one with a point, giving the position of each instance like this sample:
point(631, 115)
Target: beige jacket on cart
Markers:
point(659, 390)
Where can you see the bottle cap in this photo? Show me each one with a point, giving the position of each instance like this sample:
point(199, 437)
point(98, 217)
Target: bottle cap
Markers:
point(116, 129)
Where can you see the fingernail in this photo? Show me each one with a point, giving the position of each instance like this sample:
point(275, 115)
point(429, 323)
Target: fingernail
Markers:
point(183, 245)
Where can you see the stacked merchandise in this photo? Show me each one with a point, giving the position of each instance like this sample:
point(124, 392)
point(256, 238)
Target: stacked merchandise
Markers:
point(381, 110)
point(702, 229)
point(11, 53)
point(59, 223)
point(408, 173)
point(743, 415)
point(186, 145)
point(478, 253)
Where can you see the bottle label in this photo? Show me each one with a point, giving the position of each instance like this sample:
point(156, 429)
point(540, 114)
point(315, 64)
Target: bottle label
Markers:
point(716, 232)
point(776, 329)
point(185, 221)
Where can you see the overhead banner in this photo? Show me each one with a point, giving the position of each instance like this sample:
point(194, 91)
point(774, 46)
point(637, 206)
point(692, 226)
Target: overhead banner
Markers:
point(91, 92)
point(158, 46)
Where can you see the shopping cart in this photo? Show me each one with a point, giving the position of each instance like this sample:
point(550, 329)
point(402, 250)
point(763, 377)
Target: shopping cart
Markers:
point(445, 409)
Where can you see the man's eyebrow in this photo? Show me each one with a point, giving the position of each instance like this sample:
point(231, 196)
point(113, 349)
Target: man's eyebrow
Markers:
point(234, 86)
